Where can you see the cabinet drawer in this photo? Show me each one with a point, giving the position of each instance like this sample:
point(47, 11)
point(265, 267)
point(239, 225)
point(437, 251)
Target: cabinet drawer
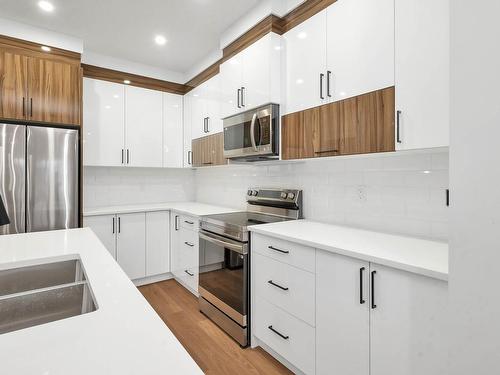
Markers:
point(285, 286)
point(190, 255)
point(189, 222)
point(302, 257)
point(288, 336)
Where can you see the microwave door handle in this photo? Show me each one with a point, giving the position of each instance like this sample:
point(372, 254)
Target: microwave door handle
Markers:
point(252, 132)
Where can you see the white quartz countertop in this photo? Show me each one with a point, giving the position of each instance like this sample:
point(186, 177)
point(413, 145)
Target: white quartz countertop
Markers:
point(189, 208)
point(428, 258)
point(123, 336)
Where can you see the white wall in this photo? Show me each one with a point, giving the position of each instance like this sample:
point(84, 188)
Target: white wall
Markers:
point(399, 193)
point(475, 188)
point(121, 186)
point(38, 35)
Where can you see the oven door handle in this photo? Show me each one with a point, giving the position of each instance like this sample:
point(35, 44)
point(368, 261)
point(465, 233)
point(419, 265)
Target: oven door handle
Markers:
point(241, 248)
point(252, 131)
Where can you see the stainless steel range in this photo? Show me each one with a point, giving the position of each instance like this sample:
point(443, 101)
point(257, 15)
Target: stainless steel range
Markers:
point(224, 274)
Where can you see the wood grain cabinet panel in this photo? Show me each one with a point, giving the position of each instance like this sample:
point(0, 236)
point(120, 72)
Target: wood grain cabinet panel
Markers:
point(361, 124)
point(13, 85)
point(209, 151)
point(54, 90)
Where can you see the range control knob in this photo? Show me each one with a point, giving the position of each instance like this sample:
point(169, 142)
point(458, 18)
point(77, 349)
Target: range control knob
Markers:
point(255, 193)
point(283, 195)
point(249, 192)
point(291, 195)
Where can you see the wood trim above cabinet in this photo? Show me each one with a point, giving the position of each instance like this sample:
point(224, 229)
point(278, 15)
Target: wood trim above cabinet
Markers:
point(205, 75)
point(303, 12)
point(96, 72)
point(35, 50)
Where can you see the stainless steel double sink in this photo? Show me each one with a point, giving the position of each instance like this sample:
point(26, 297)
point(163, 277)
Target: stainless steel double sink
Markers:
point(43, 293)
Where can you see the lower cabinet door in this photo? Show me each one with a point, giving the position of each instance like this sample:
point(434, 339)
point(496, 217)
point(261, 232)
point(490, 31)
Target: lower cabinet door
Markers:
point(407, 323)
point(177, 262)
point(190, 258)
point(105, 228)
point(131, 244)
point(342, 315)
point(157, 242)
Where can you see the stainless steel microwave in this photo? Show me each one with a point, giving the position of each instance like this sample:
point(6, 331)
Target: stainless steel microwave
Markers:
point(252, 135)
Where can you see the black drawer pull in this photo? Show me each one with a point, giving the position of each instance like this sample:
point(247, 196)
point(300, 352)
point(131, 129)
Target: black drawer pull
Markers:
point(374, 306)
point(278, 250)
point(278, 333)
point(276, 285)
point(189, 244)
point(189, 222)
point(189, 273)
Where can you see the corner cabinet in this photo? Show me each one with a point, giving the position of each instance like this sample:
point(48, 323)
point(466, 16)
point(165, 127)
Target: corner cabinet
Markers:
point(252, 77)
point(131, 126)
point(422, 73)
point(39, 88)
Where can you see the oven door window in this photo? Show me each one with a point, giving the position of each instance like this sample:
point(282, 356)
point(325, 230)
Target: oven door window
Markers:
point(224, 273)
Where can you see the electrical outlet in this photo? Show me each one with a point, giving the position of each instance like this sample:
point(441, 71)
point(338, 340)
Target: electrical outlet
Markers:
point(361, 193)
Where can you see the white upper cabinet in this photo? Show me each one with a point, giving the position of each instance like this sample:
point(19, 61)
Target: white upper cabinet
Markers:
point(360, 47)
point(187, 136)
point(303, 62)
point(251, 78)
point(422, 73)
point(103, 118)
point(205, 108)
point(143, 127)
point(173, 137)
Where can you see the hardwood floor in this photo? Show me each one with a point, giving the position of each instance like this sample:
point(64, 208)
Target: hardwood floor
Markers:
point(214, 351)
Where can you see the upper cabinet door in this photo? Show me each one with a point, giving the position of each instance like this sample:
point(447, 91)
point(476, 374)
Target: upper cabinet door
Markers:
point(143, 127)
point(188, 153)
point(54, 91)
point(104, 119)
point(231, 81)
point(212, 105)
point(173, 140)
point(198, 114)
point(261, 72)
point(13, 85)
point(304, 64)
point(407, 323)
point(360, 47)
point(422, 73)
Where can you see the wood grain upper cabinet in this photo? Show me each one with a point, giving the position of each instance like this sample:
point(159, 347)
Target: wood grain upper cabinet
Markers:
point(360, 47)
point(54, 91)
point(208, 151)
point(252, 77)
point(143, 127)
point(13, 85)
point(422, 73)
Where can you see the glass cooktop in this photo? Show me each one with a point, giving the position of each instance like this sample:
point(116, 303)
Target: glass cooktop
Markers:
point(243, 219)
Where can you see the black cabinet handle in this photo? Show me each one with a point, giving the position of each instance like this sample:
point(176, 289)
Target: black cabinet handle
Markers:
point(278, 250)
point(374, 306)
point(189, 273)
point(189, 244)
point(24, 106)
point(122, 154)
point(238, 97)
point(278, 333)
point(242, 96)
point(176, 223)
point(328, 75)
point(361, 297)
point(321, 77)
point(31, 107)
point(119, 225)
point(128, 156)
point(398, 131)
point(113, 225)
point(277, 285)
point(189, 222)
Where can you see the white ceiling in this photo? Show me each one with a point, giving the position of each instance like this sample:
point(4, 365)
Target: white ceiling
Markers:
point(125, 29)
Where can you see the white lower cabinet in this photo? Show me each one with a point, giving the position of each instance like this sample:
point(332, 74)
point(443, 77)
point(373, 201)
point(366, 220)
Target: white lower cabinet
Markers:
point(104, 227)
point(140, 242)
point(346, 316)
point(185, 250)
point(342, 315)
point(157, 242)
point(407, 326)
point(131, 244)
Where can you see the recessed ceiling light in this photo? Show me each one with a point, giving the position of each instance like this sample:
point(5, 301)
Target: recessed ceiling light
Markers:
point(45, 48)
point(126, 81)
point(160, 40)
point(46, 6)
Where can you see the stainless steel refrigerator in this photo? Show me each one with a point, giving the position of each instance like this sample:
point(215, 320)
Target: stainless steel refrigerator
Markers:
point(39, 177)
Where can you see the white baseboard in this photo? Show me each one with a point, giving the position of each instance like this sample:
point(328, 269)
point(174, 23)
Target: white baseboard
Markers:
point(256, 342)
point(153, 279)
